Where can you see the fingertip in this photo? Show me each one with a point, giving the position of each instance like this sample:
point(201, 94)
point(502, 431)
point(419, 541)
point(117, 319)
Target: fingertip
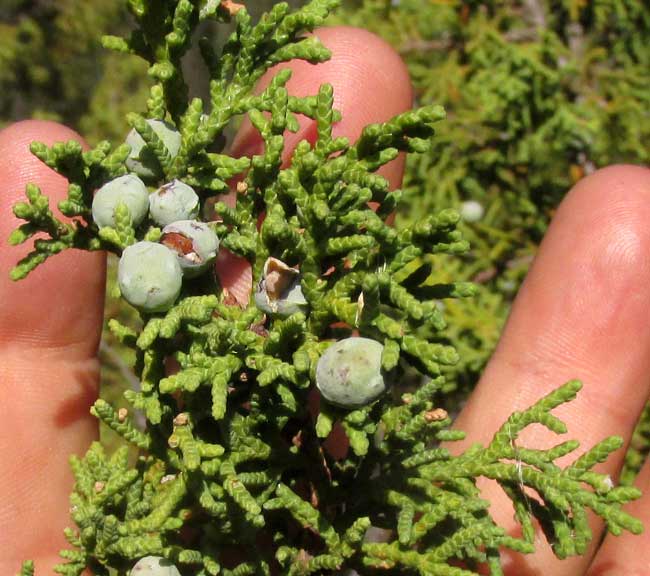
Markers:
point(371, 81)
point(608, 188)
point(371, 84)
point(68, 281)
point(16, 159)
point(617, 174)
point(46, 131)
point(616, 198)
point(18, 166)
point(580, 312)
point(601, 228)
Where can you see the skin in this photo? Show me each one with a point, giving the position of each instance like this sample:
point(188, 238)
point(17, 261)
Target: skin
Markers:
point(581, 313)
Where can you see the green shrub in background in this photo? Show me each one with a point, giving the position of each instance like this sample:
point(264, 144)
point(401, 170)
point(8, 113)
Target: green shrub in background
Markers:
point(538, 94)
point(52, 65)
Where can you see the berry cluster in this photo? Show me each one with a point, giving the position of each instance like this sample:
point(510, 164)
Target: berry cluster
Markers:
point(150, 274)
point(349, 375)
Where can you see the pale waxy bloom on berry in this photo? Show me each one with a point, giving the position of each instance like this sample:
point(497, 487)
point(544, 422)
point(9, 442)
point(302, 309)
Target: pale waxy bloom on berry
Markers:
point(128, 190)
point(149, 276)
point(172, 202)
point(154, 566)
point(349, 374)
point(142, 159)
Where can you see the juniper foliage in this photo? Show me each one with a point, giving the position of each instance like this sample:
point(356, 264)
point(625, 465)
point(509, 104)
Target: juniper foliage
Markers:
point(232, 457)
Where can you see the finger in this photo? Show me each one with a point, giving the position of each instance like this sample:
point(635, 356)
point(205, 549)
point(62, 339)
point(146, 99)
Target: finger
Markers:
point(581, 313)
point(626, 555)
point(371, 84)
point(50, 325)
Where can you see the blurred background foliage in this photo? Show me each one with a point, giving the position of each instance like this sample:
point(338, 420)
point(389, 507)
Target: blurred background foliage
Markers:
point(538, 93)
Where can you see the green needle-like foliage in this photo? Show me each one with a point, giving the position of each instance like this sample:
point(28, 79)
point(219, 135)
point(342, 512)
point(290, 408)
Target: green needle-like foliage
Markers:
point(233, 452)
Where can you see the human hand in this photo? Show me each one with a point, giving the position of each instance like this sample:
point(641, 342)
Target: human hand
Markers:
point(580, 314)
